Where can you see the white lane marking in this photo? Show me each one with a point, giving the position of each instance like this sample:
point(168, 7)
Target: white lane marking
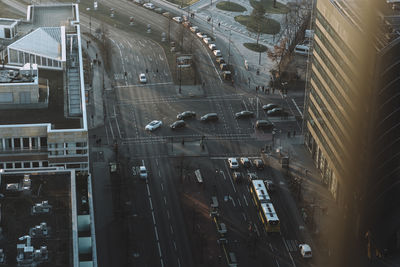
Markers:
point(148, 190)
point(255, 227)
point(137, 58)
point(290, 255)
point(162, 187)
point(277, 262)
point(111, 130)
point(157, 162)
point(154, 219)
point(151, 203)
point(171, 229)
point(159, 249)
point(233, 201)
point(142, 162)
point(155, 231)
point(175, 245)
point(223, 174)
point(162, 262)
point(168, 214)
point(119, 131)
point(297, 107)
point(212, 63)
point(159, 173)
point(179, 263)
point(240, 204)
point(244, 103)
point(165, 200)
point(244, 216)
point(230, 178)
point(120, 53)
point(161, 58)
point(245, 200)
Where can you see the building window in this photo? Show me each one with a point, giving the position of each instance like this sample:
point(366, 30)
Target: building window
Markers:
point(35, 164)
point(25, 142)
point(81, 151)
point(45, 164)
point(34, 142)
point(73, 166)
point(81, 144)
point(20, 57)
point(43, 141)
point(9, 165)
point(7, 33)
point(18, 165)
point(1, 165)
point(17, 143)
point(26, 57)
point(8, 143)
point(27, 164)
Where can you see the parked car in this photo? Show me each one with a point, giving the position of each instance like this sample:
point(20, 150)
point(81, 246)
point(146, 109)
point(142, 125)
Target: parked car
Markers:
point(185, 18)
point(269, 184)
point(212, 47)
point(140, 2)
point(252, 176)
point(223, 67)
point(142, 78)
point(159, 10)
point(270, 106)
point(209, 117)
point(217, 53)
point(187, 24)
point(143, 172)
point(264, 124)
point(227, 75)
point(178, 124)
point(220, 60)
point(245, 162)
point(258, 163)
point(244, 114)
point(233, 163)
point(149, 6)
point(200, 35)
point(186, 115)
point(276, 112)
point(194, 29)
point(305, 251)
point(207, 40)
point(178, 19)
point(154, 125)
point(237, 177)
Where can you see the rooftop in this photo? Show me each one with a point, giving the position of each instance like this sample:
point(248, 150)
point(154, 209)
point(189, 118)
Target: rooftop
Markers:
point(52, 15)
point(7, 22)
point(20, 219)
point(54, 114)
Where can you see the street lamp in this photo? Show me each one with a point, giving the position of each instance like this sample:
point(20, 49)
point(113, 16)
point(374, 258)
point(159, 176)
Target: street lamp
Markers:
point(90, 20)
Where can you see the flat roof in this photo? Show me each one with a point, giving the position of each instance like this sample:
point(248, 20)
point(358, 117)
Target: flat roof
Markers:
point(7, 22)
point(17, 218)
point(13, 76)
point(53, 114)
point(52, 15)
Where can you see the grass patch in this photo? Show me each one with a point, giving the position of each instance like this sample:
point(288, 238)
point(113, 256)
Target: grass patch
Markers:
point(230, 6)
point(269, 6)
point(268, 26)
point(256, 47)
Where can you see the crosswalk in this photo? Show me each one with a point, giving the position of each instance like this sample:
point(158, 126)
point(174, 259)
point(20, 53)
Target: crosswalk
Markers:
point(292, 245)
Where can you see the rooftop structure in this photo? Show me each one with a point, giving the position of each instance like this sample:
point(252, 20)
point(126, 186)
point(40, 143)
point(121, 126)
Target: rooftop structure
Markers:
point(43, 123)
point(39, 218)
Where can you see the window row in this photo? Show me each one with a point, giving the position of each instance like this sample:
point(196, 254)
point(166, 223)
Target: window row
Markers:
point(79, 148)
point(349, 54)
point(23, 165)
point(19, 57)
point(22, 143)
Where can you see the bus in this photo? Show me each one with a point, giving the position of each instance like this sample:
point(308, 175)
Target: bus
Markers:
point(266, 209)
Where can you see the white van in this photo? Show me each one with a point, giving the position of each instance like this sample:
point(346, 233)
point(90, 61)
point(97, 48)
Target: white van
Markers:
point(217, 53)
point(302, 49)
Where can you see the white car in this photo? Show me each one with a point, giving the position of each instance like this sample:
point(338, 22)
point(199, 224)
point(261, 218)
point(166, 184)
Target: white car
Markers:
point(245, 162)
point(178, 19)
point(207, 40)
point(305, 251)
point(233, 163)
point(212, 47)
point(217, 53)
point(143, 172)
point(142, 78)
point(149, 5)
point(194, 29)
point(154, 125)
point(200, 35)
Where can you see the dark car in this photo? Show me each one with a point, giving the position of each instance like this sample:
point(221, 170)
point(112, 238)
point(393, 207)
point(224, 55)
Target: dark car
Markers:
point(252, 176)
point(244, 114)
point(209, 117)
point(178, 124)
point(264, 124)
point(258, 163)
point(237, 177)
point(269, 106)
point(270, 186)
point(220, 60)
point(276, 112)
point(186, 115)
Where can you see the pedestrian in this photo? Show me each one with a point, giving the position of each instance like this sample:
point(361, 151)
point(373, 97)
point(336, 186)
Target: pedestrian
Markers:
point(147, 71)
point(257, 88)
point(183, 141)
point(263, 89)
point(157, 70)
point(219, 24)
point(288, 134)
point(268, 91)
point(96, 55)
point(273, 90)
point(294, 133)
point(306, 171)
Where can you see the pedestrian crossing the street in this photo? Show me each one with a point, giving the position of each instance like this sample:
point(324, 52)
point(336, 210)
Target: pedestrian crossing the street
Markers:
point(292, 245)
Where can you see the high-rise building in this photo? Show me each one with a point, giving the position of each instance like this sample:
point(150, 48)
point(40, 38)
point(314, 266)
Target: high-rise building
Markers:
point(352, 111)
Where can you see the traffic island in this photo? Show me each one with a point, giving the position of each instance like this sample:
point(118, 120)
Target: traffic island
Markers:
point(230, 6)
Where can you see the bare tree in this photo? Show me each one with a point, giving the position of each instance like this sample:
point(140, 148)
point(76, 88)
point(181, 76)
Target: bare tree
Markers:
point(277, 54)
